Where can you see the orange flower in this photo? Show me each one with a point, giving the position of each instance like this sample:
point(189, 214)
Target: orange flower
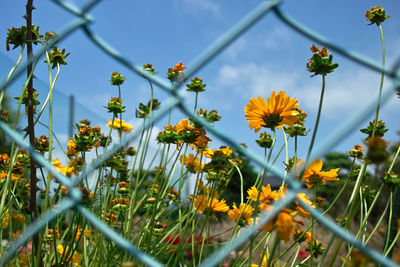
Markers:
point(266, 195)
point(191, 162)
point(284, 225)
point(301, 211)
point(203, 203)
point(241, 215)
point(67, 170)
point(225, 150)
point(71, 148)
point(179, 67)
point(313, 175)
point(279, 110)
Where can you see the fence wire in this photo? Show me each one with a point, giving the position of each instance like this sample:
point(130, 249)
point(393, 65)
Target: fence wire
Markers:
point(83, 20)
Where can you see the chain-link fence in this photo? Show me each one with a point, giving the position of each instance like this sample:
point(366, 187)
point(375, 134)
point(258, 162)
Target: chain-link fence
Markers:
point(82, 21)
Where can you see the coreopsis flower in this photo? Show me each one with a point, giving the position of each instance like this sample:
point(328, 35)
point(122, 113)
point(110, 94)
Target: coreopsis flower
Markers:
point(176, 72)
point(241, 215)
point(66, 170)
point(191, 135)
point(71, 148)
point(42, 144)
point(226, 150)
point(118, 124)
point(391, 179)
point(110, 218)
point(144, 110)
point(380, 129)
point(300, 210)
point(4, 114)
point(192, 163)
point(169, 135)
point(159, 228)
point(75, 259)
point(51, 235)
point(376, 15)
point(317, 248)
point(210, 117)
point(376, 150)
point(356, 152)
point(321, 61)
point(57, 57)
point(266, 194)
point(313, 176)
point(264, 262)
point(117, 78)
point(123, 187)
point(119, 204)
point(265, 140)
point(17, 36)
point(207, 204)
point(301, 236)
point(24, 100)
point(115, 106)
point(149, 68)
point(5, 218)
point(196, 85)
point(284, 225)
point(86, 233)
point(279, 110)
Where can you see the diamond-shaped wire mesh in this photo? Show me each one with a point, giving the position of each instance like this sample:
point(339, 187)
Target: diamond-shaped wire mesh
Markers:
point(73, 202)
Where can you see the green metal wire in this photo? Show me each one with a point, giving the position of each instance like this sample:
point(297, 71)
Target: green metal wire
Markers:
point(178, 96)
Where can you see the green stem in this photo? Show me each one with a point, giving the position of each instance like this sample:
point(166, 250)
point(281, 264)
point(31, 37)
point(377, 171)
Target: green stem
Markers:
point(381, 83)
point(317, 120)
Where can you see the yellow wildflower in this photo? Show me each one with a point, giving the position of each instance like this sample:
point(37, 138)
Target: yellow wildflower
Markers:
point(241, 215)
point(279, 110)
point(313, 175)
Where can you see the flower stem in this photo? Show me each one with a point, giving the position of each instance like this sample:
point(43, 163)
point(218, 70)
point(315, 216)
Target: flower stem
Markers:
point(317, 120)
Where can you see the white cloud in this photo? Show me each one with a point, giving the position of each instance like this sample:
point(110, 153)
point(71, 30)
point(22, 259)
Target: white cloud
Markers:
point(276, 38)
point(194, 6)
point(345, 92)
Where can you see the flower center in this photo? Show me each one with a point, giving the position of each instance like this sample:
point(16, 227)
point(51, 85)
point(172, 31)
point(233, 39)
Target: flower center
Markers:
point(272, 121)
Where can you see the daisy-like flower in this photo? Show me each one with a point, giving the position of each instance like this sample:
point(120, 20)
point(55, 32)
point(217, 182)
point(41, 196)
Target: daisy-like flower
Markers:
point(300, 210)
point(225, 150)
point(191, 162)
point(313, 175)
point(266, 194)
point(71, 148)
point(66, 170)
point(284, 225)
point(241, 215)
point(118, 124)
point(204, 204)
point(76, 257)
point(279, 110)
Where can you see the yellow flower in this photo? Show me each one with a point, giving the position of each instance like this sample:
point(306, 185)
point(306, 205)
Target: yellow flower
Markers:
point(266, 195)
point(225, 150)
point(243, 214)
point(191, 162)
point(279, 110)
point(284, 225)
point(71, 148)
point(203, 203)
point(67, 170)
point(76, 257)
point(300, 210)
point(118, 124)
point(6, 219)
point(184, 125)
point(313, 175)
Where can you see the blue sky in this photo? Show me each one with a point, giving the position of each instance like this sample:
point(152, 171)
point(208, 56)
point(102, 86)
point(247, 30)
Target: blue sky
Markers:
point(270, 56)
